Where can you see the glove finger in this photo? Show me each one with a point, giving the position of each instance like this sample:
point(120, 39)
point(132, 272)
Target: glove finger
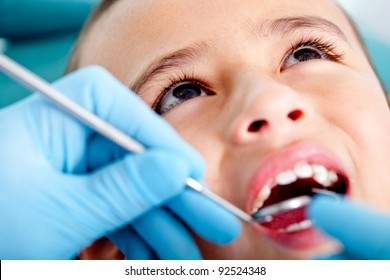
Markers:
point(117, 194)
point(363, 232)
point(97, 159)
point(205, 217)
point(131, 244)
point(168, 237)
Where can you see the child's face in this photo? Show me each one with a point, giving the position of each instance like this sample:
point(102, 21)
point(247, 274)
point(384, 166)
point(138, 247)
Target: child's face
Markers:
point(258, 87)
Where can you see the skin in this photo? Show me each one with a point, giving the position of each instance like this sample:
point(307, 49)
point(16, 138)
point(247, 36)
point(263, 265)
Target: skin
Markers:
point(343, 105)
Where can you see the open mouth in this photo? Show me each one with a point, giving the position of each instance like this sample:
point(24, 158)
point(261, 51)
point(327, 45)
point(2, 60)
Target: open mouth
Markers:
point(304, 179)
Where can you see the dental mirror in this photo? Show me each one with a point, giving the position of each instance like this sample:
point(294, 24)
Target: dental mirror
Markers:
point(265, 214)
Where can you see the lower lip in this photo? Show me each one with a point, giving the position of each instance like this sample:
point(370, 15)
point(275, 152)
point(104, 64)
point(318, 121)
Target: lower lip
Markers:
point(300, 240)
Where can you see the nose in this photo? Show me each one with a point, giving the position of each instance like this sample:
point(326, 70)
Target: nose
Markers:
point(270, 112)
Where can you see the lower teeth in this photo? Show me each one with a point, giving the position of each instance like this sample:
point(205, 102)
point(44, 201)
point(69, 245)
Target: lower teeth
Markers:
point(305, 224)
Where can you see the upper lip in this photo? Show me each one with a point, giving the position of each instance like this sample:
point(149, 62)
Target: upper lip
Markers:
point(287, 158)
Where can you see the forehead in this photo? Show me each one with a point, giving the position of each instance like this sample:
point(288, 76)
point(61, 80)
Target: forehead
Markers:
point(147, 29)
point(170, 11)
point(156, 19)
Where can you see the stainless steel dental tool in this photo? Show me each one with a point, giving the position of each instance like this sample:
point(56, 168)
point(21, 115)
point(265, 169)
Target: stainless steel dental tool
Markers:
point(265, 214)
point(34, 82)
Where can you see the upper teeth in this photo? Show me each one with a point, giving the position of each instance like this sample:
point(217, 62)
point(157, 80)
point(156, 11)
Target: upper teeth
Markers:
point(317, 172)
point(286, 177)
point(303, 170)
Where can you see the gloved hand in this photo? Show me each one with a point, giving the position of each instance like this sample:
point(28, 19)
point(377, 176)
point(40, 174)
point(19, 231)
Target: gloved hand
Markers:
point(364, 233)
point(62, 186)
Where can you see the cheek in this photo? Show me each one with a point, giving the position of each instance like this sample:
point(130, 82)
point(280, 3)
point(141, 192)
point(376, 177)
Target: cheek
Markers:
point(197, 122)
point(356, 107)
point(359, 108)
point(348, 99)
point(194, 123)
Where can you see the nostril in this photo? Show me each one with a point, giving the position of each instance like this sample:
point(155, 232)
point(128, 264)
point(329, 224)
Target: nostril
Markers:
point(295, 115)
point(257, 126)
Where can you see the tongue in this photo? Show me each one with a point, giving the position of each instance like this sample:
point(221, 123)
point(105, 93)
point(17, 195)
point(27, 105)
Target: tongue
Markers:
point(283, 220)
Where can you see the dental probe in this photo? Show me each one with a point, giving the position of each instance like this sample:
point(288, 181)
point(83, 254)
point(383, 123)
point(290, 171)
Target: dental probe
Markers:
point(32, 81)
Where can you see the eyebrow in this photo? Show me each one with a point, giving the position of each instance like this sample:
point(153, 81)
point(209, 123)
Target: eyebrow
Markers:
point(288, 25)
point(281, 26)
point(169, 62)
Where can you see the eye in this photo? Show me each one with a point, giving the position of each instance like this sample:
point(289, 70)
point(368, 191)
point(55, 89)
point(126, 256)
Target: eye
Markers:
point(311, 50)
point(179, 93)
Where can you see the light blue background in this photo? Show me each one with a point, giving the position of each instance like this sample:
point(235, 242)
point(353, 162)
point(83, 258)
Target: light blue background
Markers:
point(40, 36)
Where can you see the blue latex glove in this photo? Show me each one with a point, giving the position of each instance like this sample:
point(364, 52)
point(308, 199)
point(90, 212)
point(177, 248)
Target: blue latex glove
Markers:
point(62, 186)
point(364, 233)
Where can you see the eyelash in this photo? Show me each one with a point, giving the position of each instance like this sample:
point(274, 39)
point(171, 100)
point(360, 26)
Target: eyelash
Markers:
point(324, 47)
point(177, 80)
